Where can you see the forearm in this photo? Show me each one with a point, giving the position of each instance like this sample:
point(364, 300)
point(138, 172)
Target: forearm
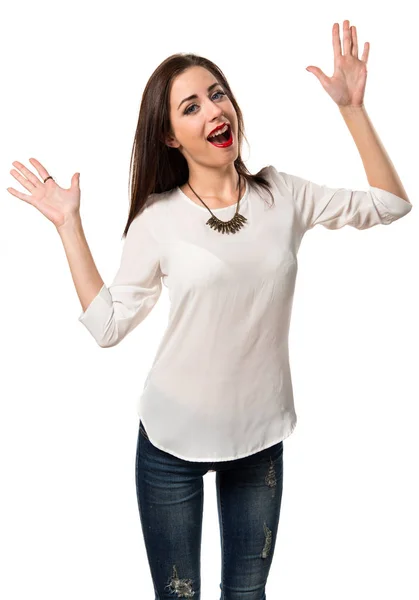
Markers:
point(85, 275)
point(377, 164)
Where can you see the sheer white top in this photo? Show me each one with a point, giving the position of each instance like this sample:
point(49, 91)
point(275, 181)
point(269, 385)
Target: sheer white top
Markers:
point(220, 385)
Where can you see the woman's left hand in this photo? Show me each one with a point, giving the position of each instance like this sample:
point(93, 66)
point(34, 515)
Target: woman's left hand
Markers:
point(347, 85)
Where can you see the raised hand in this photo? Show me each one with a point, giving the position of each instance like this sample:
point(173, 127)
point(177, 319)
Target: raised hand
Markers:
point(56, 203)
point(347, 85)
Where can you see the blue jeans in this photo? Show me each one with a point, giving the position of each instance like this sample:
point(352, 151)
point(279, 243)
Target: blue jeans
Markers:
point(170, 500)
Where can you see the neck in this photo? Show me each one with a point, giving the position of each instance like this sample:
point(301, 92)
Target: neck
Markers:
point(218, 185)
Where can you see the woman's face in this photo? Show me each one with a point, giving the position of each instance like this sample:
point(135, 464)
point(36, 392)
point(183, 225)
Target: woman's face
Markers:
point(193, 120)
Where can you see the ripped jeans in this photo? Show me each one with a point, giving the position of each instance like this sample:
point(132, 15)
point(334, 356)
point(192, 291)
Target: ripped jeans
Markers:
point(170, 500)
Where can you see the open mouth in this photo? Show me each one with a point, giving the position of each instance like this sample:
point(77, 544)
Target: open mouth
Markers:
point(222, 139)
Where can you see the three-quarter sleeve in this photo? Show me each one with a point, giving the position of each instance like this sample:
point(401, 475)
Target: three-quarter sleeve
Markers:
point(335, 207)
point(118, 309)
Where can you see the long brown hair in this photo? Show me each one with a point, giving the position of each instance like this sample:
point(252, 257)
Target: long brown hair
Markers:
point(156, 167)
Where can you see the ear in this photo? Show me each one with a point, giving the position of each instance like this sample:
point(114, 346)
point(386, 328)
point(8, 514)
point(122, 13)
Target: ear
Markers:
point(171, 141)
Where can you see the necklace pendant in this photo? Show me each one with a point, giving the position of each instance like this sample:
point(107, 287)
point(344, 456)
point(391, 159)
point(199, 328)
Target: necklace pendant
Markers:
point(232, 226)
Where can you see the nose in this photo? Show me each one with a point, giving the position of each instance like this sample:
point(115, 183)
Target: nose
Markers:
point(214, 110)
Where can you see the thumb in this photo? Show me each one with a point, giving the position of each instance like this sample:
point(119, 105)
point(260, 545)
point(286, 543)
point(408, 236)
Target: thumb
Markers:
point(75, 180)
point(319, 74)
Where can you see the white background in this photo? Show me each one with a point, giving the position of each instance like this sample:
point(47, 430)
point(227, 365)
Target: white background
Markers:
point(73, 74)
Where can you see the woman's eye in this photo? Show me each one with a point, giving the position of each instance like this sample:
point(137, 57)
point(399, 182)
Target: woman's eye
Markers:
point(188, 111)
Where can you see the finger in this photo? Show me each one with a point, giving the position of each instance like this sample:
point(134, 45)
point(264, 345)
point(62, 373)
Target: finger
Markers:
point(354, 42)
point(31, 177)
point(26, 184)
point(366, 52)
point(346, 38)
point(25, 197)
point(336, 41)
point(41, 170)
point(322, 77)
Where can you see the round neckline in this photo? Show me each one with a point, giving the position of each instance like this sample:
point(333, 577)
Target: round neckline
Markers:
point(186, 198)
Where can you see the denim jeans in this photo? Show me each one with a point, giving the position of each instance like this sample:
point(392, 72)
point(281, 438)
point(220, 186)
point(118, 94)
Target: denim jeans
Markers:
point(170, 500)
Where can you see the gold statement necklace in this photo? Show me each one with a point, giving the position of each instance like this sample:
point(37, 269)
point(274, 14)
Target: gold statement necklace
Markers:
point(231, 226)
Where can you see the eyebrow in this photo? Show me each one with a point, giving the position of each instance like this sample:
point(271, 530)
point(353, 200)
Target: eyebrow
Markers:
point(213, 85)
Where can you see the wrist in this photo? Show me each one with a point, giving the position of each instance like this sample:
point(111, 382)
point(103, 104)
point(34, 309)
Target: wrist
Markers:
point(351, 108)
point(71, 223)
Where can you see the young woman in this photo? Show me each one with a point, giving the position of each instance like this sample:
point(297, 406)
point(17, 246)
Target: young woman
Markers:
point(218, 396)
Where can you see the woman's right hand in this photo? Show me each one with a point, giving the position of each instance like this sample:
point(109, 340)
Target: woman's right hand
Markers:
point(57, 204)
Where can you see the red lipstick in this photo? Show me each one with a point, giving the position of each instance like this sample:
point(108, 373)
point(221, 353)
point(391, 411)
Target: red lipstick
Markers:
point(225, 144)
point(217, 128)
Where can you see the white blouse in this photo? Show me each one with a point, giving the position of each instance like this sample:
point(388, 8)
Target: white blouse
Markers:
point(220, 385)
